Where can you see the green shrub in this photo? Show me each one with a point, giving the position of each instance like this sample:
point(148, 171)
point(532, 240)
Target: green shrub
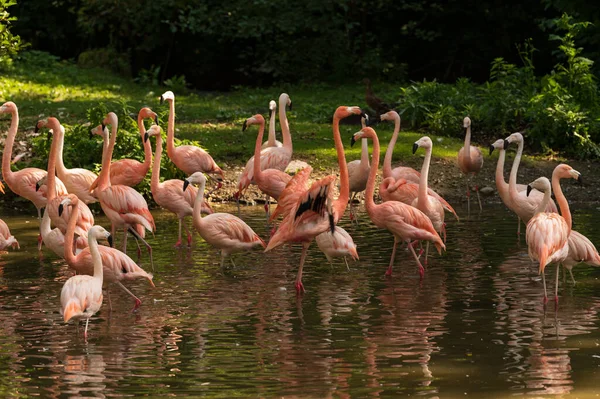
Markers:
point(106, 58)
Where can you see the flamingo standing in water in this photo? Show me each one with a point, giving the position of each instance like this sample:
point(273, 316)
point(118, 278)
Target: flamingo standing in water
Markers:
point(272, 140)
point(315, 211)
point(81, 296)
point(7, 239)
point(405, 222)
point(187, 158)
point(117, 265)
point(338, 244)
point(224, 231)
point(470, 160)
point(426, 203)
point(358, 173)
point(169, 194)
point(399, 172)
point(269, 181)
point(124, 207)
point(23, 182)
point(521, 204)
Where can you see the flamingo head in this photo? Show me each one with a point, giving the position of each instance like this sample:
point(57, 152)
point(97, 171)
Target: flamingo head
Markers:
point(424, 142)
point(11, 241)
point(499, 144)
point(8, 108)
point(272, 106)
point(148, 113)
point(389, 116)
point(195, 178)
point(41, 182)
point(564, 171)
point(285, 101)
point(515, 138)
point(111, 119)
point(167, 96)
point(99, 233)
point(153, 131)
point(541, 184)
point(344, 111)
point(466, 122)
point(100, 130)
point(51, 123)
point(257, 119)
point(365, 132)
point(71, 199)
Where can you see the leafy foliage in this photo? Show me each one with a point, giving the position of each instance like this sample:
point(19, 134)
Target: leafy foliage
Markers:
point(10, 44)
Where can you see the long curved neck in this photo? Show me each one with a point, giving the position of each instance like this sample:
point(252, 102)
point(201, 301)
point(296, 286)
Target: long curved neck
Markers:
point(70, 235)
point(272, 138)
point(422, 197)
point(512, 181)
point(51, 182)
point(96, 258)
point(257, 147)
point(197, 216)
point(364, 153)
point(563, 204)
point(156, 166)
point(45, 226)
point(370, 190)
point(171, 129)
point(341, 202)
point(467, 146)
point(59, 136)
point(545, 201)
point(285, 127)
point(389, 152)
point(501, 185)
point(8, 146)
point(104, 178)
point(146, 144)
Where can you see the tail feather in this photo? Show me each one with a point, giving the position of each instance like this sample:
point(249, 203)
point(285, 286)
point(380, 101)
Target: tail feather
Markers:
point(70, 310)
point(353, 252)
point(543, 258)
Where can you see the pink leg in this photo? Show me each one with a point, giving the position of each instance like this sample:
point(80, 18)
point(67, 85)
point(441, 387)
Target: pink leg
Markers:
point(86, 327)
point(137, 300)
point(545, 294)
point(178, 243)
point(125, 240)
point(389, 269)
point(299, 286)
point(478, 197)
point(421, 270)
point(556, 286)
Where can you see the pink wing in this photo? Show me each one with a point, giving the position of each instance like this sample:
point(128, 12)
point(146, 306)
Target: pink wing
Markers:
point(476, 160)
point(406, 173)
point(78, 181)
point(228, 231)
point(273, 182)
point(270, 158)
point(4, 230)
point(128, 172)
point(297, 185)
point(84, 222)
point(26, 180)
point(547, 233)
point(80, 294)
point(125, 200)
point(338, 244)
point(406, 192)
point(581, 249)
point(191, 159)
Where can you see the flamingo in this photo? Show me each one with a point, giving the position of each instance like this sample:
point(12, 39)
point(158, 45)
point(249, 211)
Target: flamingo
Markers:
point(470, 160)
point(81, 296)
point(7, 239)
point(313, 212)
point(187, 158)
point(77, 180)
point(405, 222)
point(86, 219)
point(292, 191)
point(169, 194)
point(426, 203)
point(124, 207)
point(338, 244)
point(524, 206)
point(117, 265)
point(269, 181)
point(271, 157)
point(503, 187)
point(23, 182)
point(399, 172)
point(54, 239)
point(224, 231)
point(358, 173)
point(272, 141)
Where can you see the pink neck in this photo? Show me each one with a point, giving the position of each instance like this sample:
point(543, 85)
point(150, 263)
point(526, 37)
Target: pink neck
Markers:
point(171, 129)
point(364, 153)
point(272, 139)
point(104, 178)
point(341, 203)
point(422, 197)
point(563, 204)
point(285, 127)
point(51, 181)
point(8, 146)
point(154, 183)
point(468, 146)
point(70, 235)
point(389, 152)
point(197, 213)
point(370, 190)
point(512, 181)
point(146, 144)
point(501, 185)
point(257, 147)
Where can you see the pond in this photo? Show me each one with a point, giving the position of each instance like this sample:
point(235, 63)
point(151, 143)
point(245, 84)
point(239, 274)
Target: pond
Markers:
point(475, 325)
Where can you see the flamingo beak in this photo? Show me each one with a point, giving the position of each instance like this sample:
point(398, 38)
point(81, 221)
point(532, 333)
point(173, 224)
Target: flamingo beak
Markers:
point(579, 180)
point(491, 148)
point(156, 119)
point(48, 136)
point(529, 188)
point(110, 240)
point(506, 143)
point(37, 186)
point(245, 126)
point(37, 129)
point(103, 127)
point(290, 107)
point(186, 183)
point(415, 147)
point(61, 208)
point(331, 224)
point(146, 137)
point(162, 99)
point(352, 141)
point(363, 114)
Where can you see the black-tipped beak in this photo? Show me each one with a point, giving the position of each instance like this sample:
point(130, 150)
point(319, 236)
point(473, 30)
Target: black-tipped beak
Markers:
point(506, 144)
point(103, 127)
point(491, 148)
point(37, 129)
point(185, 184)
point(363, 114)
point(156, 119)
point(162, 99)
point(61, 208)
point(146, 137)
point(245, 126)
point(110, 240)
point(579, 179)
point(48, 136)
point(529, 189)
point(352, 141)
point(290, 106)
point(91, 135)
point(415, 147)
point(331, 224)
point(37, 186)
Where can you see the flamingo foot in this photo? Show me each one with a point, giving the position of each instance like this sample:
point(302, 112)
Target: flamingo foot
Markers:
point(189, 240)
point(421, 272)
point(556, 300)
point(388, 272)
point(178, 244)
point(545, 299)
point(85, 336)
point(267, 208)
point(40, 241)
point(426, 261)
point(273, 231)
point(139, 252)
point(299, 287)
point(137, 304)
point(351, 216)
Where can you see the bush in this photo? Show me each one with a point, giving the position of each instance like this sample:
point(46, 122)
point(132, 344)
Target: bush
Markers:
point(10, 44)
point(106, 58)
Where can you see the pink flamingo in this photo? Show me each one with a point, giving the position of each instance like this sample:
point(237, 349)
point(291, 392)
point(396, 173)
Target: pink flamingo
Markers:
point(169, 194)
point(424, 202)
point(77, 180)
point(297, 185)
point(7, 239)
point(405, 222)
point(271, 157)
point(272, 141)
point(338, 244)
point(117, 265)
point(314, 213)
point(269, 181)
point(470, 160)
point(188, 158)
point(503, 187)
point(358, 173)
point(521, 204)
point(399, 172)
point(86, 219)
point(23, 182)
point(226, 232)
point(81, 296)
point(124, 207)
point(54, 239)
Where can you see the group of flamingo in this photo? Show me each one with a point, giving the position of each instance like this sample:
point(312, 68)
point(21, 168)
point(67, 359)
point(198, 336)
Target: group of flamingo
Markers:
point(410, 210)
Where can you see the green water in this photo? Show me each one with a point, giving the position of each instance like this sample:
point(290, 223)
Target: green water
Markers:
point(474, 326)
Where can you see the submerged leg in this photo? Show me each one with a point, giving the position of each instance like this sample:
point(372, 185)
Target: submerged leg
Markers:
point(518, 226)
point(545, 293)
point(346, 261)
point(125, 240)
point(426, 252)
point(478, 198)
point(556, 286)
point(138, 302)
point(189, 233)
point(138, 237)
point(39, 239)
point(389, 269)
point(468, 197)
point(267, 207)
point(299, 285)
point(86, 327)
point(178, 243)
point(572, 278)
point(419, 265)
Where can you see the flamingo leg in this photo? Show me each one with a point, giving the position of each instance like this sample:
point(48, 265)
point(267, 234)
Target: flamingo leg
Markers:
point(352, 215)
point(421, 270)
point(468, 197)
point(267, 207)
point(556, 285)
point(388, 272)
point(426, 252)
point(86, 327)
point(138, 237)
point(112, 233)
point(231, 260)
point(572, 278)
point(478, 198)
point(222, 259)
point(138, 302)
point(299, 285)
point(39, 239)
point(518, 226)
point(178, 243)
point(346, 261)
point(189, 234)
point(545, 294)
point(125, 240)
point(109, 301)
